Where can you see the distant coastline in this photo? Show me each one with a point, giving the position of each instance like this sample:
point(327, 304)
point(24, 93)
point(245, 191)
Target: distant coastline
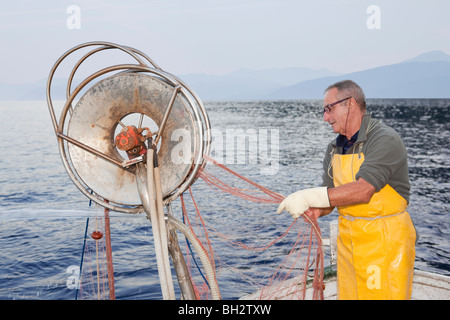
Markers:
point(425, 76)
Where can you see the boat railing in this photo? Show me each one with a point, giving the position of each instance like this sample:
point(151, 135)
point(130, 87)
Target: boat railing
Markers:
point(331, 241)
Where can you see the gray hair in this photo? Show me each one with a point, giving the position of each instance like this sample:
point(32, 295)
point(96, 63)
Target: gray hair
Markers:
point(349, 88)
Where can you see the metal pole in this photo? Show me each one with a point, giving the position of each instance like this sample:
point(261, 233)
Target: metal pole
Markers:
point(109, 259)
point(179, 263)
point(161, 221)
point(146, 187)
point(166, 114)
point(155, 225)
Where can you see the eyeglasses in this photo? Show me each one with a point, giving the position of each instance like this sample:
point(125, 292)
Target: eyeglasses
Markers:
point(328, 108)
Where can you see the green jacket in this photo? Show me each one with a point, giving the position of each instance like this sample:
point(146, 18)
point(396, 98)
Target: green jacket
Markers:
point(385, 157)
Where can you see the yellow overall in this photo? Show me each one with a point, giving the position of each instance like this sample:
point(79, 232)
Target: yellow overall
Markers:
point(376, 241)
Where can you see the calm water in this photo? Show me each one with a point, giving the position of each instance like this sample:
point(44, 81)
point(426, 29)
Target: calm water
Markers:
point(43, 215)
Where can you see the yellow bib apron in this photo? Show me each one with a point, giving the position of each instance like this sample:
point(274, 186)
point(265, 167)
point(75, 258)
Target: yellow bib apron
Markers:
point(376, 241)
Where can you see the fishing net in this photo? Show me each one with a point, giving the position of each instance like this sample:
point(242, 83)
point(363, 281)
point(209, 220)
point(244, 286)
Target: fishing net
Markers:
point(96, 279)
point(255, 253)
point(251, 248)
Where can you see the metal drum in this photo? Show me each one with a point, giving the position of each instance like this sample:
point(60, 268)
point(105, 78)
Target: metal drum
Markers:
point(140, 95)
point(106, 107)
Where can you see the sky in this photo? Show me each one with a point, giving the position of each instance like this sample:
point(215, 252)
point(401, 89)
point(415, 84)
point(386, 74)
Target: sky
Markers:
point(220, 36)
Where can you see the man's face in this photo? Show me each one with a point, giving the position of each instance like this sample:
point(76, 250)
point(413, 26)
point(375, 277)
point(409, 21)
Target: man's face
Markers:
point(337, 116)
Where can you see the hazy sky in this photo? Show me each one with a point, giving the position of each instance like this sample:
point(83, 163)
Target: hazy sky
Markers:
point(220, 36)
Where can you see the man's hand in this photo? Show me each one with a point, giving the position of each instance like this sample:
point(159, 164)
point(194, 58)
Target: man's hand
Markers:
point(298, 202)
point(314, 213)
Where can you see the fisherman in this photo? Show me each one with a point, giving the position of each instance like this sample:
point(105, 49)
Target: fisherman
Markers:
point(366, 177)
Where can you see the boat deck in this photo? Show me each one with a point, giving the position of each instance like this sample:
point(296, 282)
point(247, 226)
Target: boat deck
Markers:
point(426, 286)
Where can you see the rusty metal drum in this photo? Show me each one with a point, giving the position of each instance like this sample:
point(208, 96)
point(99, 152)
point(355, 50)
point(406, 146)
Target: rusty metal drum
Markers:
point(109, 105)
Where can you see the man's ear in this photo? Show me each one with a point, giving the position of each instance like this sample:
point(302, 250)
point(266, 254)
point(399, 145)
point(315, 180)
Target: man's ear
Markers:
point(352, 104)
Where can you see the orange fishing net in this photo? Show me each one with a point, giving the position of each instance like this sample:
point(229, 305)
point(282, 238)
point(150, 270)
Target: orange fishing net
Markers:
point(96, 281)
point(255, 253)
point(251, 250)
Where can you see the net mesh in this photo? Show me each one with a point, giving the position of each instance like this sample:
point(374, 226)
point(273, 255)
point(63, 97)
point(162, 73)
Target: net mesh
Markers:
point(96, 281)
point(251, 248)
point(255, 253)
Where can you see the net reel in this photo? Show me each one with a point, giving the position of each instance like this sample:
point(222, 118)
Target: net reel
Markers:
point(134, 95)
point(133, 142)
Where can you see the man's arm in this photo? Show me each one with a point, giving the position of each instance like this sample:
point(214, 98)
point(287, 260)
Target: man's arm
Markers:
point(356, 192)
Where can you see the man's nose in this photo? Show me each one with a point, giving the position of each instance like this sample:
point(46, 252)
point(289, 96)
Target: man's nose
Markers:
point(326, 116)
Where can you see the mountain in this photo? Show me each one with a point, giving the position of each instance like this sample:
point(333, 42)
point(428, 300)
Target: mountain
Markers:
point(431, 56)
point(425, 76)
point(32, 91)
point(402, 80)
point(212, 87)
point(239, 84)
point(249, 84)
point(285, 76)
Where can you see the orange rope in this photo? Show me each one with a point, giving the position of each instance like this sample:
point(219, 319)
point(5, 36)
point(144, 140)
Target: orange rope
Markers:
point(275, 196)
point(298, 256)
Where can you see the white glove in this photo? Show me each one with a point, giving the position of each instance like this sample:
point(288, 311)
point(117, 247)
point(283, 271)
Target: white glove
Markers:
point(298, 202)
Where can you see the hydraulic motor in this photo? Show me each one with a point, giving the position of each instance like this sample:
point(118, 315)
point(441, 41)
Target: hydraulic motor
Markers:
point(131, 140)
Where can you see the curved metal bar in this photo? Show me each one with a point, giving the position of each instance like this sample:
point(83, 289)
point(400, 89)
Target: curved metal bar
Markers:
point(75, 68)
point(199, 163)
point(89, 79)
point(205, 117)
point(145, 56)
point(70, 51)
point(106, 46)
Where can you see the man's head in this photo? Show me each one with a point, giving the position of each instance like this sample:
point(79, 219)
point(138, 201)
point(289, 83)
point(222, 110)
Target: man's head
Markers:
point(344, 107)
point(348, 88)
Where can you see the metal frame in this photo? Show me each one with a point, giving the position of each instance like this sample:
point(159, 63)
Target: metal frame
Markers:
point(148, 178)
point(144, 65)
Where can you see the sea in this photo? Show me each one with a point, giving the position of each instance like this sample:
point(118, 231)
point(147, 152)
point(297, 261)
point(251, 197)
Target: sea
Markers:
point(43, 216)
